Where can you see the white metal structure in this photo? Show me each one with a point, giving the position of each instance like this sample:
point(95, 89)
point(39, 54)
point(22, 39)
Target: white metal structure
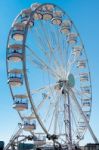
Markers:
point(45, 45)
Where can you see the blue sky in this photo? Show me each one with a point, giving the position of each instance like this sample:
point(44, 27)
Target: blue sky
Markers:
point(85, 14)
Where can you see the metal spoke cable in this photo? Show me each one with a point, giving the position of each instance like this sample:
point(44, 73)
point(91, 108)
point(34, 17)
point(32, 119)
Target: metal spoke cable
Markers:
point(71, 62)
point(51, 106)
point(56, 114)
point(43, 63)
point(49, 44)
point(41, 44)
point(42, 102)
point(59, 48)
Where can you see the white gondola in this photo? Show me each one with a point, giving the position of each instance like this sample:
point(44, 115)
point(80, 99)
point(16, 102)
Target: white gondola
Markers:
point(76, 50)
point(37, 15)
point(86, 90)
point(47, 12)
point(81, 129)
point(48, 7)
point(72, 38)
point(81, 124)
point(81, 64)
point(57, 21)
point(86, 99)
point(86, 112)
point(66, 26)
point(25, 17)
point(15, 52)
point(15, 77)
point(40, 141)
point(84, 77)
point(86, 104)
point(20, 102)
point(34, 6)
point(47, 15)
point(57, 18)
point(29, 125)
point(30, 117)
point(18, 31)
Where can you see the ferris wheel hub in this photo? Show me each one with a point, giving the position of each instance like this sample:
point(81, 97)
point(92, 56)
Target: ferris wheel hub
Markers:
point(71, 80)
point(63, 85)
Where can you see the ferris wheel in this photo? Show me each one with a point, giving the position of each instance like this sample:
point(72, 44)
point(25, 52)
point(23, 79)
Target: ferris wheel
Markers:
point(48, 74)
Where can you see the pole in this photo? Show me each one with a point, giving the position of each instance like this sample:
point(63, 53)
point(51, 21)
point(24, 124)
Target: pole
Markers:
point(69, 117)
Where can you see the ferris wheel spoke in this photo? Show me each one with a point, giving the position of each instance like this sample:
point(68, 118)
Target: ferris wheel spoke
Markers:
point(44, 48)
point(41, 63)
point(75, 120)
point(61, 116)
point(73, 60)
point(41, 44)
point(69, 60)
point(46, 97)
point(52, 119)
point(43, 102)
point(52, 105)
point(66, 49)
point(56, 113)
point(36, 63)
point(47, 112)
point(51, 50)
point(71, 63)
point(59, 49)
point(40, 105)
point(43, 68)
point(36, 56)
point(63, 50)
point(51, 86)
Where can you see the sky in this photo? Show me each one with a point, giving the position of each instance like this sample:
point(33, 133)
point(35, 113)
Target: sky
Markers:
point(85, 15)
